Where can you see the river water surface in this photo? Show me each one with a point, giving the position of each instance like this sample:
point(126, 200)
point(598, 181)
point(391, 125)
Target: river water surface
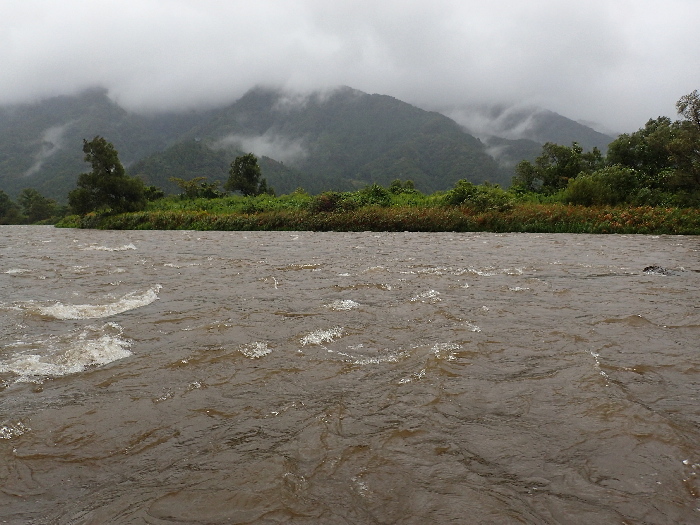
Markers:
point(348, 378)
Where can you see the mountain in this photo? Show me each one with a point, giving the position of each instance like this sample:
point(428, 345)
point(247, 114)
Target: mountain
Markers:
point(193, 158)
point(339, 139)
point(345, 139)
point(515, 133)
point(41, 144)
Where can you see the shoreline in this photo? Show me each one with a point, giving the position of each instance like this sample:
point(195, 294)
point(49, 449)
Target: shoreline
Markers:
point(525, 218)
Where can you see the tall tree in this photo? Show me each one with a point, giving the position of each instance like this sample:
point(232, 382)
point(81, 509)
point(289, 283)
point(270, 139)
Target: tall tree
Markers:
point(9, 211)
point(245, 176)
point(645, 150)
point(685, 148)
point(35, 206)
point(106, 187)
point(556, 167)
point(689, 107)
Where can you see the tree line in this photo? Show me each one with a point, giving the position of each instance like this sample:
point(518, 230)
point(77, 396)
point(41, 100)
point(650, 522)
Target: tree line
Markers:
point(658, 165)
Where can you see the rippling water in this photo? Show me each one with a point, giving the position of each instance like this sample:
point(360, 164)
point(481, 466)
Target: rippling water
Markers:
point(234, 377)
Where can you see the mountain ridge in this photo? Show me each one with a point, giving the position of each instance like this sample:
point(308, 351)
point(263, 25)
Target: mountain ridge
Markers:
point(338, 139)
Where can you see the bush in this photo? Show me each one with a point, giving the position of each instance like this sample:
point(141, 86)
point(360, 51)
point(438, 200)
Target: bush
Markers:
point(610, 185)
point(479, 198)
point(374, 195)
point(332, 201)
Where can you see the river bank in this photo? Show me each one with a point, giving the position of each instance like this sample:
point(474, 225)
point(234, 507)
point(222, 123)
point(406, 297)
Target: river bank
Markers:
point(524, 217)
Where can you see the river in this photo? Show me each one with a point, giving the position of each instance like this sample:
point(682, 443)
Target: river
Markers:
point(168, 377)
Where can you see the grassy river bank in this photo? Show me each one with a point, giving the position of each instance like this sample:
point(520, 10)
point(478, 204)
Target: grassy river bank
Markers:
point(521, 217)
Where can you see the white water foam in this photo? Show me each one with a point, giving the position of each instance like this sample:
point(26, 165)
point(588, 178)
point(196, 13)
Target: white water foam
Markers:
point(417, 376)
point(67, 354)
point(446, 351)
point(373, 360)
point(472, 327)
point(128, 302)
point(430, 296)
point(319, 337)
point(342, 305)
point(11, 430)
point(254, 350)
point(596, 357)
point(17, 271)
point(123, 248)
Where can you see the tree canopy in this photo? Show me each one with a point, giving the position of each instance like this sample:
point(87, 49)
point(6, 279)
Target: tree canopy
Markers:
point(106, 187)
point(557, 165)
point(245, 176)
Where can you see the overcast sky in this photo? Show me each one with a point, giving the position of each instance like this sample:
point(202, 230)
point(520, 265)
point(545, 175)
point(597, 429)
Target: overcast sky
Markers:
point(614, 62)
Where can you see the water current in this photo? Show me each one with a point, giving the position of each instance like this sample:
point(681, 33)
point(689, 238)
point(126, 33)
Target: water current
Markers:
point(348, 378)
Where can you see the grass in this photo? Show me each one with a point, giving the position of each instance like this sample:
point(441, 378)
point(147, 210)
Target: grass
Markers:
point(426, 213)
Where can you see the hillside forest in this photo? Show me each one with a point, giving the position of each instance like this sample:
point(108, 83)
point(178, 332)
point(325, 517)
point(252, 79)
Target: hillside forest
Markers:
point(656, 166)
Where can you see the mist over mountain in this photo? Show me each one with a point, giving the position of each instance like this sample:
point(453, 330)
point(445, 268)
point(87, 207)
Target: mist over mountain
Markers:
point(514, 133)
point(339, 139)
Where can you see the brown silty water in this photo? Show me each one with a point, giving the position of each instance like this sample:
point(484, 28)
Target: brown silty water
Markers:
point(280, 377)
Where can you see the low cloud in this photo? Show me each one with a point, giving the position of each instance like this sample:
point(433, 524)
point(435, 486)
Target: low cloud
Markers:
point(51, 142)
point(615, 63)
point(268, 145)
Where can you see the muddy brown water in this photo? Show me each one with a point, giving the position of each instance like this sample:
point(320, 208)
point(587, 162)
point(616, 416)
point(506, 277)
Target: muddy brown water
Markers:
point(348, 378)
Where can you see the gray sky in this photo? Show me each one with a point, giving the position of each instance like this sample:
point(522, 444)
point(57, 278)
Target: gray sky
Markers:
point(614, 62)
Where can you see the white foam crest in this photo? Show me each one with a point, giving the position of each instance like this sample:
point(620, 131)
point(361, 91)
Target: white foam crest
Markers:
point(98, 248)
point(371, 360)
point(472, 327)
point(11, 430)
point(430, 295)
point(490, 271)
point(596, 357)
point(68, 354)
point(446, 351)
point(518, 288)
point(343, 305)
point(255, 350)
point(374, 269)
point(319, 337)
point(417, 376)
point(128, 302)
point(484, 273)
point(17, 271)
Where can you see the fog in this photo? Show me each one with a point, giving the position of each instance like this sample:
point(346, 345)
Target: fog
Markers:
point(614, 63)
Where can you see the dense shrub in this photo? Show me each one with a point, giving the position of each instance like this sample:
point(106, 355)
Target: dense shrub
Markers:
point(610, 185)
point(480, 198)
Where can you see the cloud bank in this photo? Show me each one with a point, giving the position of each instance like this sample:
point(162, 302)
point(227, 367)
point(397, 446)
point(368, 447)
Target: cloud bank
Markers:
point(615, 62)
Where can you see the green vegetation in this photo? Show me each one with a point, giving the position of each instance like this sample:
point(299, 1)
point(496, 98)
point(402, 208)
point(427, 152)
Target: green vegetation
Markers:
point(649, 182)
point(31, 208)
point(106, 188)
point(245, 176)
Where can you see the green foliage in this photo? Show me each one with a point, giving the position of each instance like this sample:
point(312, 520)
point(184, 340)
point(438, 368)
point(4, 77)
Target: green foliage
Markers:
point(153, 193)
point(689, 107)
point(645, 150)
point(610, 185)
point(245, 176)
point(36, 207)
point(397, 187)
point(333, 201)
point(198, 188)
point(557, 165)
point(663, 146)
point(374, 195)
point(106, 187)
point(538, 218)
point(9, 211)
point(483, 197)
